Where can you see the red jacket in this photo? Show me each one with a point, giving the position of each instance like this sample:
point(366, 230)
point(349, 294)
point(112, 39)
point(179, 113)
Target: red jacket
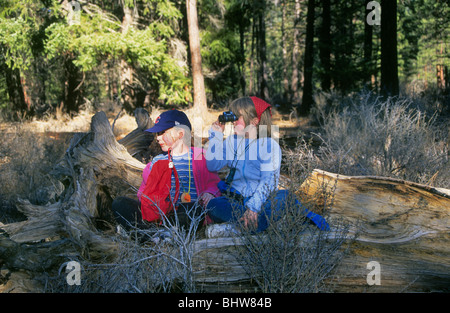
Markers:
point(205, 181)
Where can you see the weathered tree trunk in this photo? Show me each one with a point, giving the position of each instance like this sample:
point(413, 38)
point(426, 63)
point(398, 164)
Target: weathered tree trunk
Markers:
point(139, 143)
point(401, 225)
point(95, 164)
point(263, 75)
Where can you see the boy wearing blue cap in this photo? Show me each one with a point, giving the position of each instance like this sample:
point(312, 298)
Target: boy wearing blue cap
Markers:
point(189, 185)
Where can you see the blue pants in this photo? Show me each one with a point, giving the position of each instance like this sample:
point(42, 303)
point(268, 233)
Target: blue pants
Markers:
point(224, 209)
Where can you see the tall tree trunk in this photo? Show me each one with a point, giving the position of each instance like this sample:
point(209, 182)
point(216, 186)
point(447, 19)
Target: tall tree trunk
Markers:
point(127, 93)
point(72, 92)
point(263, 87)
point(295, 56)
point(368, 34)
point(307, 99)
point(284, 49)
point(196, 58)
point(389, 61)
point(242, 60)
point(325, 45)
point(15, 89)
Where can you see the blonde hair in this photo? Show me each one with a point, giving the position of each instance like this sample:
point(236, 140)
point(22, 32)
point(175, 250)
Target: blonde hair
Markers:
point(244, 106)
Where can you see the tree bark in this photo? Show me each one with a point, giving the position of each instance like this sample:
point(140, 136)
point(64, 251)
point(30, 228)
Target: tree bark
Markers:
point(127, 92)
point(368, 34)
point(389, 58)
point(307, 98)
point(402, 225)
point(295, 78)
point(263, 87)
point(325, 45)
point(200, 104)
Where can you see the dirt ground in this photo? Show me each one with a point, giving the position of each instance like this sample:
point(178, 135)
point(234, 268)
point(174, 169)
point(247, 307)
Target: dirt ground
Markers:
point(124, 123)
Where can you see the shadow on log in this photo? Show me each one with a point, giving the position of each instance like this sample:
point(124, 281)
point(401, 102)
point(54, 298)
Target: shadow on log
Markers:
point(403, 226)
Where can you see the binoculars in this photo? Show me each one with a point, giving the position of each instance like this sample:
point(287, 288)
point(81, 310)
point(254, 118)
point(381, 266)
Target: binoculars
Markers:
point(227, 116)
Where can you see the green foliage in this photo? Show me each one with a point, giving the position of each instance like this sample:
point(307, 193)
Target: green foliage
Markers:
point(37, 40)
point(424, 39)
point(15, 36)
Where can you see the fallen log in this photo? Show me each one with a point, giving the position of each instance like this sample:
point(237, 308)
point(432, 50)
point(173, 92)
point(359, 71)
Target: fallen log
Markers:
point(139, 143)
point(94, 170)
point(401, 225)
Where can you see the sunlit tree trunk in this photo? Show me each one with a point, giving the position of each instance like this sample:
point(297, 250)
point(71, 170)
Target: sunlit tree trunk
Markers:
point(196, 58)
point(126, 71)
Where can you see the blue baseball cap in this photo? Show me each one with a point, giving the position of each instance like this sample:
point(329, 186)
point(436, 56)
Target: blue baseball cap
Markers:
point(168, 120)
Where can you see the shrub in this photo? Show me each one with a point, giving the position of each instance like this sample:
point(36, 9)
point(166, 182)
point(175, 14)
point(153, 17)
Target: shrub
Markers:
point(392, 138)
point(26, 158)
point(146, 262)
point(292, 255)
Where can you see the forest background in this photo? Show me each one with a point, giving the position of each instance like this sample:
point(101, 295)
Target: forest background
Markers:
point(57, 55)
point(372, 84)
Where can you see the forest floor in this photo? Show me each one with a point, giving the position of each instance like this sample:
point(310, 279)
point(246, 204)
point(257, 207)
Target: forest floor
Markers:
point(124, 123)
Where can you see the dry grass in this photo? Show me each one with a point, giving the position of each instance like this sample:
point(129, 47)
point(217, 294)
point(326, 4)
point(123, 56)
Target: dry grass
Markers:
point(292, 255)
point(392, 138)
point(146, 263)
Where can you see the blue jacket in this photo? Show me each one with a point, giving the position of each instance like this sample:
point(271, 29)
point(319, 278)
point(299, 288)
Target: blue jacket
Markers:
point(257, 163)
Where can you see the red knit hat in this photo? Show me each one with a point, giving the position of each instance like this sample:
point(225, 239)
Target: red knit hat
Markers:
point(261, 106)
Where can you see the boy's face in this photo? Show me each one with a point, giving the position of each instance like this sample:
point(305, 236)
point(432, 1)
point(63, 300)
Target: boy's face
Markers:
point(165, 139)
